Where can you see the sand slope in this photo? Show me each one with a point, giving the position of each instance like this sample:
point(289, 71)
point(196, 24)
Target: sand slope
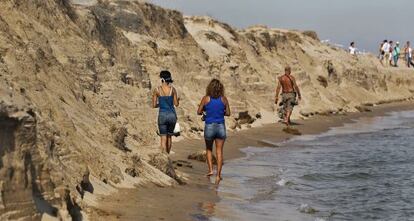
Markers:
point(76, 81)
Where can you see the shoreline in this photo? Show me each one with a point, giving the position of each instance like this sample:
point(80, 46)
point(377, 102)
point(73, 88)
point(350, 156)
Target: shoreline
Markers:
point(196, 200)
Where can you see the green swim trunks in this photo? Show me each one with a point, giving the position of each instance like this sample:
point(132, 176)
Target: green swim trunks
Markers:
point(288, 100)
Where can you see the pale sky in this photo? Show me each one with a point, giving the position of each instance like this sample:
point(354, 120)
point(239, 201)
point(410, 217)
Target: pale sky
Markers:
point(367, 22)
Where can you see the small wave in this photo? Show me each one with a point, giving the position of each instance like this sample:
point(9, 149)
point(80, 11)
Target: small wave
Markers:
point(268, 143)
point(305, 208)
point(324, 176)
point(283, 182)
point(317, 177)
point(255, 150)
point(360, 175)
point(320, 219)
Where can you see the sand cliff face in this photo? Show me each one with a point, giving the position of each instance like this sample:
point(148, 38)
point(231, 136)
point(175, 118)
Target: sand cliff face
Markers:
point(76, 80)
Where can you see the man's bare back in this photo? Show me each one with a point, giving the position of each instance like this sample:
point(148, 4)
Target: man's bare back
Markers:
point(286, 82)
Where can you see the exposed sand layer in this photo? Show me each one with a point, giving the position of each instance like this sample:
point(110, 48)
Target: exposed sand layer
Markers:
point(76, 80)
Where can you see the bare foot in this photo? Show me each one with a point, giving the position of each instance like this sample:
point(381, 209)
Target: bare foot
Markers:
point(218, 179)
point(209, 174)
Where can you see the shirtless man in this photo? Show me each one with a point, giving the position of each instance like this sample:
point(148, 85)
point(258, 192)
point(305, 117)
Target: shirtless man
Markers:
point(290, 89)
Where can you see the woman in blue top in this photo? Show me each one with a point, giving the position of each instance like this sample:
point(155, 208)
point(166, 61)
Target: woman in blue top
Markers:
point(165, 98)
point(215, 106)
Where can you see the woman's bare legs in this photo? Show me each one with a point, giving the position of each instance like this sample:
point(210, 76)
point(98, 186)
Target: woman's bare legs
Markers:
point(209, 150)
point(163, 143)
point(168, 144)
point(219, 155)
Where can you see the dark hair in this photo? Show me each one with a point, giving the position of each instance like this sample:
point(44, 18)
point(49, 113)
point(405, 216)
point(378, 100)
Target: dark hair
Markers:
point(391, 41)
point(385, 41)
point(215, 89)
point(166, 76)
point(352, 43)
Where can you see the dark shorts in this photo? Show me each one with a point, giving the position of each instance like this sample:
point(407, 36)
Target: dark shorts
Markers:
point(288, 100)
point(215, 131)
point(166, 123)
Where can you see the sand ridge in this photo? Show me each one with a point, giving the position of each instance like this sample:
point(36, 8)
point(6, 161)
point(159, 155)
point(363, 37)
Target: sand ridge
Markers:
point(80, 76)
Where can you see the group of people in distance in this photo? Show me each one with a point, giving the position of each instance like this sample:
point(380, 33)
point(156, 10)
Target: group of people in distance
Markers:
point(389, 53)
point(213, 107)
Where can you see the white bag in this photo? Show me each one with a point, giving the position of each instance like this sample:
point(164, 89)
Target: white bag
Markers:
point(177, 128)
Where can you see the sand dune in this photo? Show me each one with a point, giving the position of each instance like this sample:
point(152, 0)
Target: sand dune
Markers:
point(75, 92)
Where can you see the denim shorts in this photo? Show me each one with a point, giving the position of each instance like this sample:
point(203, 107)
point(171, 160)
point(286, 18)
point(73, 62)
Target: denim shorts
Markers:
point(166, 123)
point(215, 131)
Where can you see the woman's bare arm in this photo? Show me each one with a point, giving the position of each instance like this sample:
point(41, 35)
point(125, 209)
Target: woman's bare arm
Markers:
point(226, 103)
point(201, 106)
point(155, 99)
point(175, 97)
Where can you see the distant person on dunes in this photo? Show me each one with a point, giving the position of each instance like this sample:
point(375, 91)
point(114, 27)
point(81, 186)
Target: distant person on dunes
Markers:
point(352, 49)
point(214, 106)
point(390, 52)
point(290, 93)
point(381, 51)
point(166, 99)
point(396, 53)
point(385, 52)
point(408, 52)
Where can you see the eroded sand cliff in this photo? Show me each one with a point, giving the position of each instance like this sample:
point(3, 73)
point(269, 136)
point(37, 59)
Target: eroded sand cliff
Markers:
point(76, 80)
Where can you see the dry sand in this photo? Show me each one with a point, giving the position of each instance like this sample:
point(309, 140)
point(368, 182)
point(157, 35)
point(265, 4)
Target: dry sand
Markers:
point(75, 88)
point(196, 200)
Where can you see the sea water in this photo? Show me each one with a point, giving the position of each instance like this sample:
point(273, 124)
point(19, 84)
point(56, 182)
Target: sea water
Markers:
point(360, 171)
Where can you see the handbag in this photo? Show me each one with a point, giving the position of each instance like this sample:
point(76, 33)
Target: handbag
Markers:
point(177, 128)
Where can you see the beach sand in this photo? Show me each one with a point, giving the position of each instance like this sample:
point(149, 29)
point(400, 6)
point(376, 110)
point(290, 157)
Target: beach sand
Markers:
point(196, 200)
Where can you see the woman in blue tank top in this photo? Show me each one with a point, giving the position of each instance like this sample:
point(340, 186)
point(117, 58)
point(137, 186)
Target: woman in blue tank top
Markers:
point(165, 98)
point(214, 106)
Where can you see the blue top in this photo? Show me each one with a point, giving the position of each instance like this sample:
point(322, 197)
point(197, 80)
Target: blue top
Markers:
point(166, 103)
point(215, 110)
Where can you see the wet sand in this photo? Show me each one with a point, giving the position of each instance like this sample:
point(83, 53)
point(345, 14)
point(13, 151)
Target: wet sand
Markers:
point(196, 200)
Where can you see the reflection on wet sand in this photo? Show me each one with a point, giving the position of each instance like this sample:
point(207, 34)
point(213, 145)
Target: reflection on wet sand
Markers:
point(207, 211)
point(291, 130)
point(208, 208)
